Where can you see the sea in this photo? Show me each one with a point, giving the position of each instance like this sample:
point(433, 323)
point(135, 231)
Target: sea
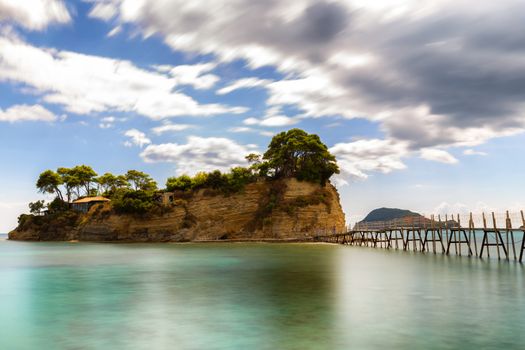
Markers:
point(254, 296)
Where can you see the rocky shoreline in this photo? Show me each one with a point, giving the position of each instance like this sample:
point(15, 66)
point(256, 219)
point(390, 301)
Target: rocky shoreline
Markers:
point(302, 211)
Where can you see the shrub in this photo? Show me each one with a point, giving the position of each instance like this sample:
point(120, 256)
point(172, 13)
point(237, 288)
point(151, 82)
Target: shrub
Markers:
point(181, 183)
point(134, 202)
point(57, 206)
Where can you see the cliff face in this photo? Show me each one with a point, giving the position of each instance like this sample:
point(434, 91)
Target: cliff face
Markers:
point(282, 210)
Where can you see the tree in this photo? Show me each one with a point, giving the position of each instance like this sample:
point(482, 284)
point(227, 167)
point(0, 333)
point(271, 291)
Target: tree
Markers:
point(253, 158)
point(70, 181)
point(111, 183)
point(238, 178)
point(49, 182)
point(216, 180)
point(85, 175)
point(181, 183)
point(36, 207)
point(295, 153)
point(140, 181)
point(199, 180)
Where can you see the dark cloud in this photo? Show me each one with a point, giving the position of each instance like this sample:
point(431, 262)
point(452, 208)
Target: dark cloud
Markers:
point(322, 22)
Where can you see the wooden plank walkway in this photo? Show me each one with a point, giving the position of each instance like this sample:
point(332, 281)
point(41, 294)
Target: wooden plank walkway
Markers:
point(440, 237)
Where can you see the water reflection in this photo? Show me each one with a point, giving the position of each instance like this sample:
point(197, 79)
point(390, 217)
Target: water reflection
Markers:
point(253, 296)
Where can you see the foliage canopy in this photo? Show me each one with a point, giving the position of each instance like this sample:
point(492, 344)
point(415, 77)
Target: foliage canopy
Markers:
point(293, 153)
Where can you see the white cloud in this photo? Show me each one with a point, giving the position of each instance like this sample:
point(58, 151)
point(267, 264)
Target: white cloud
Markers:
point(104, 11)
point(114, 31)
point(246, 129)
point(472, 152)
point(243, 84)
point(19, 113)
point(364, 59)
point(137, 138)
point(438, 155)
point(272, 121)
point(34, 14)
point(239, 129)
point(199, 154)
point(358, 158)
point(194, 75)
point(272, 118)
point(109, 122)
point(86, 84)
point(446, 208)
point(171, 128)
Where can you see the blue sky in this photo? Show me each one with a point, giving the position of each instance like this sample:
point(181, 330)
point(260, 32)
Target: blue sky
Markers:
point(421, 104)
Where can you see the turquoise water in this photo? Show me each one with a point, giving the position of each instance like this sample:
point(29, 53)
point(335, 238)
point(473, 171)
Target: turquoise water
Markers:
point(254, 296)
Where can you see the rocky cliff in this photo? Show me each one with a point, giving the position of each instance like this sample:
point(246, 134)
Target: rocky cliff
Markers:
point(286, 209)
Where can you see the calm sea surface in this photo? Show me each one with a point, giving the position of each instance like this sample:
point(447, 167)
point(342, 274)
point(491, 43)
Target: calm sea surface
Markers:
point(254, 296)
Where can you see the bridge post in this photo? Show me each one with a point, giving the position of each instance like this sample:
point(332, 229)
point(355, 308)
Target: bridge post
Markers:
point(510, 231)
point(523, 239)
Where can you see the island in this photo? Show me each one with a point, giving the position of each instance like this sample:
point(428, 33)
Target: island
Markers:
point(284, 194)
point(388, 217)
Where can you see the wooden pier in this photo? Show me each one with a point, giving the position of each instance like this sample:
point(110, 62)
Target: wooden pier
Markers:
point(442, 235)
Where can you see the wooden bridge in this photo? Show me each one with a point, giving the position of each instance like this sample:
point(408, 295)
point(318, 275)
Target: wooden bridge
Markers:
point(482, 235)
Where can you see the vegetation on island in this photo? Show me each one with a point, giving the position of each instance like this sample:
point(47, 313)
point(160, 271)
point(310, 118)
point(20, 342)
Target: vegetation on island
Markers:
point(290, 154)
point(385, 214)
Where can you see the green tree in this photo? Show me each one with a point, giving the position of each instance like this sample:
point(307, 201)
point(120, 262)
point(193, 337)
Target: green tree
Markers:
point(180, 183)
point(239, 177)
point(134, 202)
point(199, 180)
point(36, 207)
point(121, 182)
point(71, 183)
point(49, 182)
point(140, 181)
point(85, 175)
point(216, 180)
point(295, 153)
point(106, 182)
point(253, 158)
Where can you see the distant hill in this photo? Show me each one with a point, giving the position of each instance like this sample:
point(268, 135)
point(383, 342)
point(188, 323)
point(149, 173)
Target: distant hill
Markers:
point(385, 214)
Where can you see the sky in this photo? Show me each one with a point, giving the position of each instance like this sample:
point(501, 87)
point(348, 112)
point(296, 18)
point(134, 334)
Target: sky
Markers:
point(420, 101)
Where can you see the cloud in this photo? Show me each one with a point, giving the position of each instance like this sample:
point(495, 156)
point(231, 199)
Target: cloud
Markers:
point(358, 158)
point(86, 84)
point(137, 138)
point(34, 14)
point(114, 31)
point(438, 155)
point(168, 127)
point(107, 122)
point(434, 75)
point(472, 152)
point(103, 11)
point(239, 129)
point(244, 83)
point(199, 154)
point(194, 75)
point(246, 129)
point(272, 121)
point(20, 113)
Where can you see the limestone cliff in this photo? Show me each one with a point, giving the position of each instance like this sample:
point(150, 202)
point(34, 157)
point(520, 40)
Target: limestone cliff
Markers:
point(286, 209)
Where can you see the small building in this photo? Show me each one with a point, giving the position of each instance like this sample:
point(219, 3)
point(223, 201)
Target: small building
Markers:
point(167, 198)
point(83, 205)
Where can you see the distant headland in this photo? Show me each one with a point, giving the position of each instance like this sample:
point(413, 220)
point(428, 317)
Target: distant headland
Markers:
point(284, 194)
